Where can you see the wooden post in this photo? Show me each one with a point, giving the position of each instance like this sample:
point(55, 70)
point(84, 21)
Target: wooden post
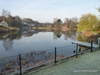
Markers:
point(91, 46)
point(20, 64)
point(76, 49)
point(55, 55)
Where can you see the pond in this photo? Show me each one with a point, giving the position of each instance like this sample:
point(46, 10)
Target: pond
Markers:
point(36, 40)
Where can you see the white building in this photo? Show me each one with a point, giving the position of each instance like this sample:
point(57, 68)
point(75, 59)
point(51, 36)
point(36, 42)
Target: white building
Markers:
point(3, 23)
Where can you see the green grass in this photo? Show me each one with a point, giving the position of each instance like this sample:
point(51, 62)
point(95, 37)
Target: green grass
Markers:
point(87, 62)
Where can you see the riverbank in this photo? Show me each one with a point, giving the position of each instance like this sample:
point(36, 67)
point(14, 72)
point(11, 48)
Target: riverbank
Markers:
point(84, 65)
point(90, 33)
point(52, 28)
point(8, 29)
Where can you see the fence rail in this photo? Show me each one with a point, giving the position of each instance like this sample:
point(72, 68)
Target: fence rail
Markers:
point(22, 63)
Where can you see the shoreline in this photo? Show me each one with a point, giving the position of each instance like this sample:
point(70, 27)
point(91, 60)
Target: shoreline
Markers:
point(89, 34)
point(53, 28)
point(7, 29)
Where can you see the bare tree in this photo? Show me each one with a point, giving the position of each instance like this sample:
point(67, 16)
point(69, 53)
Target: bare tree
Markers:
point(71, 22)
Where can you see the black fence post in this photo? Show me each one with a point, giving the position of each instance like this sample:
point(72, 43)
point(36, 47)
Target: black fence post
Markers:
point(91, 46)
point(20, 64)
point(55, 55)
point(76, 49)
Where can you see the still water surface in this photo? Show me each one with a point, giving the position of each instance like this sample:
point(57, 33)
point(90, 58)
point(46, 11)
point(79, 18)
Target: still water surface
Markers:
point(23, 42)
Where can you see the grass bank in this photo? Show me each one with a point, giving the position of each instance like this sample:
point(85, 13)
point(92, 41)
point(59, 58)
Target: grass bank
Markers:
point(8, 29)
point(54, 28)
point(87, 64)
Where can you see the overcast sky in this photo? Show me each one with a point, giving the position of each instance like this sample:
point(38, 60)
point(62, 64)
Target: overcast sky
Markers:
point(47, 10)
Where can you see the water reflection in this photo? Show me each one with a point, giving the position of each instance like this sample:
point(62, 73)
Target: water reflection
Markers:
point(8, 44)
point(82, 38)
point(70, 34)
point(7, 38)
point(57, 34)
point(67, 34)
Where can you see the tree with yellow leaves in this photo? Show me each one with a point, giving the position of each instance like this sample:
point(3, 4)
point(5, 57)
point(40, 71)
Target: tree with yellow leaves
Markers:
point(88, 22)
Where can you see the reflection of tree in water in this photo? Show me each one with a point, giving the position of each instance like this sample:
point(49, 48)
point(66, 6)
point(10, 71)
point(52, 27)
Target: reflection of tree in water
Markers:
point(70, 34)
point(67, 34)
point(82, 38)
point(28, 34)
point(54, 36)
point(7, 38)
point(8, 44)
point(57, 34)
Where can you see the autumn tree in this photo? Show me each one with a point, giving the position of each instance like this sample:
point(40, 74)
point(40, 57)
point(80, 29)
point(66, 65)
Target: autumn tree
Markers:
point(88, 22)
point(12, 21)
point(57, 23)
point(9, 20)
point(16, 21)
point(70, 22)
point(99, 15)
point(6, 16)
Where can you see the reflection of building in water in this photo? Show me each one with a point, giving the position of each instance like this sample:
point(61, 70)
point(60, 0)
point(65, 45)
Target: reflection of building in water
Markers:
point(8, 44)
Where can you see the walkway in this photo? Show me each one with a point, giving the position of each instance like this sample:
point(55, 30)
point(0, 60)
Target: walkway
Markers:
point(88, 64)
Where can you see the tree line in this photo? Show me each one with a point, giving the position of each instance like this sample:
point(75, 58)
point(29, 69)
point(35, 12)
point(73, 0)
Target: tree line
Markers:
point(86, 22)
point(69, 22)
point(16, 21)
point(12, 21)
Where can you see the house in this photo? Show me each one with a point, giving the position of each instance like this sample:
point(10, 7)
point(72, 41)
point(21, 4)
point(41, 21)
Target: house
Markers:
point(3, 23)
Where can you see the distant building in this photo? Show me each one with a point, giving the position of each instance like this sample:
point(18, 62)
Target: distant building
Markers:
point(3, 23)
